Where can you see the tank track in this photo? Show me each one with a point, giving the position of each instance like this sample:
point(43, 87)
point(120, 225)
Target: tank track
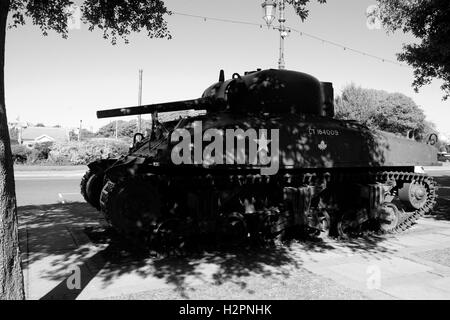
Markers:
point(107, 191)
point(83, 184)
point(406, 219)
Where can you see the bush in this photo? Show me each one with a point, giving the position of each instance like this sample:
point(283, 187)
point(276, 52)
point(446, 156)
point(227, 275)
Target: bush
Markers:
point(20, 153)
point(70, 153)
point(83, 152)
point(40, 152)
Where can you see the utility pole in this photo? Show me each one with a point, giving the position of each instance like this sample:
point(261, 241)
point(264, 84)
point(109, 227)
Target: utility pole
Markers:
point(79, 132)
point(283, 34)
point(139, 120)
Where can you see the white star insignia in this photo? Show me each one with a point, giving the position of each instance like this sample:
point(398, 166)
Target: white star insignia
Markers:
point(262, 143)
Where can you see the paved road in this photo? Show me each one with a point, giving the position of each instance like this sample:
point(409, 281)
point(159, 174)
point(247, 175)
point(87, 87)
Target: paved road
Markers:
point(47, 190)
point(61, 235)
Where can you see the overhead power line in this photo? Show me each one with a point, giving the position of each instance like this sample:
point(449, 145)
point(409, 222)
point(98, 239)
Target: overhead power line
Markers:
point(301, 33)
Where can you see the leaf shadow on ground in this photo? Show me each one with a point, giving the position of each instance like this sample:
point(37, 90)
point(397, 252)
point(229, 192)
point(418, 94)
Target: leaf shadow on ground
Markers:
point(64, 235)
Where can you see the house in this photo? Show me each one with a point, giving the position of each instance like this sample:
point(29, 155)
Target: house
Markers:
point(32, 135)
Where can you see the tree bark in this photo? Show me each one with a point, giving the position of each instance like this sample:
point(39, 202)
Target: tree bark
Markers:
point(11, 278)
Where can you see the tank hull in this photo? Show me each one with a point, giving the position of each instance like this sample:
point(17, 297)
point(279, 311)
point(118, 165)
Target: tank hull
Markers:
point(307, 142)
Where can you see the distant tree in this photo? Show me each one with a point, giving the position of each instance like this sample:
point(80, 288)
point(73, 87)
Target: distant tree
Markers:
point(20, 153)
point(41, 150)
point(124, 128)
point(39, 125)
point(85, 134)
point(356, 103)
point(109, 130)
point(428, 21)
point(57, 126)
point(393, 112)
point(398, 113)
point(73, 135)
point(116, 19)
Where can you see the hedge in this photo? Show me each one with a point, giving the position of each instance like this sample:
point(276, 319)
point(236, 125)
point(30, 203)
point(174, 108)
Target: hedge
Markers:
point(70, 153)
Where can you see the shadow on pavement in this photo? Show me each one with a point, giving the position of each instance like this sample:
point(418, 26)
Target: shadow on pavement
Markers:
point(60, 236)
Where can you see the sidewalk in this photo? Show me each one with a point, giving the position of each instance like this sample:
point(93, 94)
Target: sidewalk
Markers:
point(55, 244)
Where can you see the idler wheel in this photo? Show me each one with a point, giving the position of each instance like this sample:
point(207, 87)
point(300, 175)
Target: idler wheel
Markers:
point(413, 195)
point(388, 216)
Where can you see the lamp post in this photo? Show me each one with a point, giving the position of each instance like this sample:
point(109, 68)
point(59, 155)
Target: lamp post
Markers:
point(269, 11)
point(139, 119)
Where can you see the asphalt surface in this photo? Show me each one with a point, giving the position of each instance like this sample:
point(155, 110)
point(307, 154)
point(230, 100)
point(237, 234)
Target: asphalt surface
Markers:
point(47, 190)
point(60, 232)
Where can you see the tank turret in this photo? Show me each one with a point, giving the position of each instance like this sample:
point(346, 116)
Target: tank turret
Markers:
point(264, 91)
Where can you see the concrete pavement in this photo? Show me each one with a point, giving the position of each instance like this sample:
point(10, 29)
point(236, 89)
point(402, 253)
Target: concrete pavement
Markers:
point(413, 265)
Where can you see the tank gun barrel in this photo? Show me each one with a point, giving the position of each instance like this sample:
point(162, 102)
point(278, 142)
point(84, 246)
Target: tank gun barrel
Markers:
point(196, 104)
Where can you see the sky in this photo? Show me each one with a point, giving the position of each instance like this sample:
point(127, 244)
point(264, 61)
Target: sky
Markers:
point(52, 80)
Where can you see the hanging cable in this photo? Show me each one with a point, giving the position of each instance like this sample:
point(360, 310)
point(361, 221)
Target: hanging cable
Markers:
point(302, 33)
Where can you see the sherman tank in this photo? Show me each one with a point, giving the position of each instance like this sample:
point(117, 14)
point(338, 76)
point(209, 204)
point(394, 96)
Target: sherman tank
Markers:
point(266, 158)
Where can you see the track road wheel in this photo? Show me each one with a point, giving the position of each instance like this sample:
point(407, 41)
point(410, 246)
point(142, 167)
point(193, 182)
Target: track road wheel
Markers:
point(132, 207)
point(388, 217)
point(346, 226)
point(413, 194)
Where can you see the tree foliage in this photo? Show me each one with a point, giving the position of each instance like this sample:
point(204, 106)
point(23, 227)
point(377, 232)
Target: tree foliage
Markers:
point(377, 109)
point(300, 7)
point(85, 134)
point(125, 129)
point(116, 18)
point(428, 21)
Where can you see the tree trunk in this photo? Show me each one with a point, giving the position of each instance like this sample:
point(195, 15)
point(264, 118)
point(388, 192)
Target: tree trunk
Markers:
point(11, 279)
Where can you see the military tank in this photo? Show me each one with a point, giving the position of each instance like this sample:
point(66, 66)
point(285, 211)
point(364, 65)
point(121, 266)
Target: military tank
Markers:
point(267, 157)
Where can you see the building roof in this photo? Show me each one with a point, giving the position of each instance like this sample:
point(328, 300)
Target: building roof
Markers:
point(59, 134)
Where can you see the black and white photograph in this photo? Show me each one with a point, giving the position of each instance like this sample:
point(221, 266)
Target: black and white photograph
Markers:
point(225, 156)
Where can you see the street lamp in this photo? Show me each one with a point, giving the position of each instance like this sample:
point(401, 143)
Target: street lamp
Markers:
point(269, 9)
